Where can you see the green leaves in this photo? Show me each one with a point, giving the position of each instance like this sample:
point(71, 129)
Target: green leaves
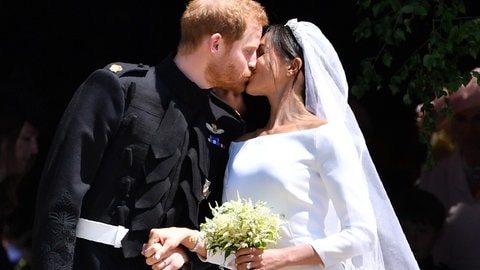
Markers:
point(418, 48)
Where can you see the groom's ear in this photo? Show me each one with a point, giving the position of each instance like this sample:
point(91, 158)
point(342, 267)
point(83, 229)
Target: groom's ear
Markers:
point(214, 42)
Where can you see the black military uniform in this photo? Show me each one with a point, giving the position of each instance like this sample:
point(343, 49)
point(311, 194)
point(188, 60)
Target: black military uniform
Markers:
point(140, 147)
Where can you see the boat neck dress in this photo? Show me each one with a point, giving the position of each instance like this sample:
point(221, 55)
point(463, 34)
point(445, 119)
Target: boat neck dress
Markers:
point(301, 175)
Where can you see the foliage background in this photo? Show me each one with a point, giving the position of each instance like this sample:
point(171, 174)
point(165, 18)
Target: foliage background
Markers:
point(419, 48)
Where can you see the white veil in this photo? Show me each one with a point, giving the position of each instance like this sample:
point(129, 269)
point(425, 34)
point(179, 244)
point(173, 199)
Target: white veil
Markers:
point(327, 96)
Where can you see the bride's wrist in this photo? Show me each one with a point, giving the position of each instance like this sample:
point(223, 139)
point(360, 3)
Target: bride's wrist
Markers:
point(192, 240)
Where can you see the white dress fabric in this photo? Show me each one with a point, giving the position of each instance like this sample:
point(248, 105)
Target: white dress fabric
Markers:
point(299, 174)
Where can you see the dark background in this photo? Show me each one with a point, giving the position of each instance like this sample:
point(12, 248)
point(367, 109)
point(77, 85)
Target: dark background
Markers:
point(50, 47)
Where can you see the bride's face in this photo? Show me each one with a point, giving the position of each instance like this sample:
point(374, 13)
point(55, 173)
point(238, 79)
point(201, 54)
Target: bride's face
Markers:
point(270, 73)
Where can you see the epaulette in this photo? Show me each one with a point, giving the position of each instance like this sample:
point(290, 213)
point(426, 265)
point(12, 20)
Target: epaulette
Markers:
point(127, 69)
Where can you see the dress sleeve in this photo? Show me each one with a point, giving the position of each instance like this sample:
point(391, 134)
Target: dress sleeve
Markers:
point(352, 224)
point(84, 131)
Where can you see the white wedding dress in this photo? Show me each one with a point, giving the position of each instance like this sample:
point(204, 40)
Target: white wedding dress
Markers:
point(300, 174)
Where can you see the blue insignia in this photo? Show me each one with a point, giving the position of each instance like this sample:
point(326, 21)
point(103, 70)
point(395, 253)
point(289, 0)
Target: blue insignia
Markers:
point(215, 140)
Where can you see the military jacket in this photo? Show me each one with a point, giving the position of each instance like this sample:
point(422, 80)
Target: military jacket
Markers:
point(137, 146)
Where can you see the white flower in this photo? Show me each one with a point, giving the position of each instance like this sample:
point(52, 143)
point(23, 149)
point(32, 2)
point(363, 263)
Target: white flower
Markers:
point(239, 224)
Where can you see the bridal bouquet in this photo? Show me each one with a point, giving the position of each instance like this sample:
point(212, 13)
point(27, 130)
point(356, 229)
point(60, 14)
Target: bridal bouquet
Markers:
point(239, 224)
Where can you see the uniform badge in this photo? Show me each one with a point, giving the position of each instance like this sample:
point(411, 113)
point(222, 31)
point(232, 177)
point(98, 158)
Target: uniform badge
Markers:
point(115, 68)
point(215, 140)
point(206, 189)
point(214, 129)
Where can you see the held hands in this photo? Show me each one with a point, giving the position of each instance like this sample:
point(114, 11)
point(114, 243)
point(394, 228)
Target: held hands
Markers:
point(173, 259)
point(162, 250)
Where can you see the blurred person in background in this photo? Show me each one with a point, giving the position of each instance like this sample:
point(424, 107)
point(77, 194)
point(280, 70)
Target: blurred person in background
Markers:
point(459, 161)
point(422, 217)
point(19, 147)
point(455, 176)
point(459, 248)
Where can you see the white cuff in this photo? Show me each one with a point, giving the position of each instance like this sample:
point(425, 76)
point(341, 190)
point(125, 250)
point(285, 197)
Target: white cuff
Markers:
point(219, 259)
